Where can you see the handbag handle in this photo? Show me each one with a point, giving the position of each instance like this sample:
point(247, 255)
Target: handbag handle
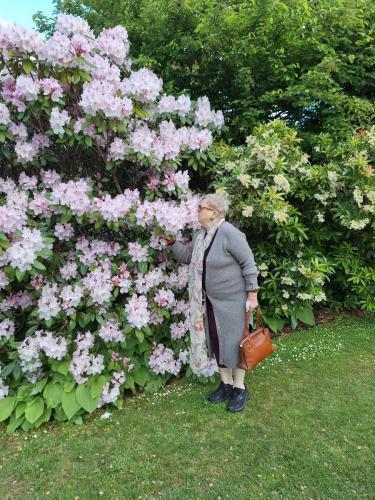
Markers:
point(247, 317)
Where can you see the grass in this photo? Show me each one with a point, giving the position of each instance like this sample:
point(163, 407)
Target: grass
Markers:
point(306, 432)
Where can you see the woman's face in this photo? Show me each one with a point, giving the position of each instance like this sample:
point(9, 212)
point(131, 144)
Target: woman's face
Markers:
point(205, 213)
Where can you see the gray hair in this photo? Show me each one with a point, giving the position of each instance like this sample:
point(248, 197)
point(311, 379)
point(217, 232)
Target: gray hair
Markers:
point(218, 202)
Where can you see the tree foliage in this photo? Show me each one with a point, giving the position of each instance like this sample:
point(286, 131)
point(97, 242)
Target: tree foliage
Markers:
point(310, 63)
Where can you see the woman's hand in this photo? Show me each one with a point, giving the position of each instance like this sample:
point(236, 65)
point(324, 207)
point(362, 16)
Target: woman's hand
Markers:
point(252, 301)
point(169, 238)
point(165, 235)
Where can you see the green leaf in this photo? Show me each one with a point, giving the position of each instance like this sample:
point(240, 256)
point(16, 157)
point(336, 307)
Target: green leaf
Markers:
point(85, 76)
point(154, 384)
point(140, 335)
point(96, 385)
point(147, 330)
point(59, 414)
point(20, 409)
point(293, 321)
point(129, 383)
point(70, 404)
point(34, 409)
point(119, 402)
point(52, 394)
point(39, 386)
point(141, 376)
point(8, 369)
point(39, 266)
point(139, 112)
point(20, 274)
point(27, 66)
point(78, 420)
point(43, 418)
point(6, 407)
point(142, 267)
point(4, 244)
point(14, 423)
point(69, 385)
point(275, 324)
point(60, 366)
point(84, 398)
point(26, 425)
point(24, 392)
point(306, 315)
point(66, 217)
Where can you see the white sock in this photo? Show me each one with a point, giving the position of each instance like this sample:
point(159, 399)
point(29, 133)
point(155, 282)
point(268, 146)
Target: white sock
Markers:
point(239, 378)
point(226, 375)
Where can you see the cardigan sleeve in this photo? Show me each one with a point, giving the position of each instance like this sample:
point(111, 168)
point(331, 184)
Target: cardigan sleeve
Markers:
point(182, 251)
point(238, 247)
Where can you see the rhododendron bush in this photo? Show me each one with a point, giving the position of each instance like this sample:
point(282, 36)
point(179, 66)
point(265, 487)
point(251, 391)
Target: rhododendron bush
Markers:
point(91, 303)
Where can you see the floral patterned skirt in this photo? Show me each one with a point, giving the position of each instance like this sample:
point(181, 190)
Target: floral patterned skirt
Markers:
point(213, 332)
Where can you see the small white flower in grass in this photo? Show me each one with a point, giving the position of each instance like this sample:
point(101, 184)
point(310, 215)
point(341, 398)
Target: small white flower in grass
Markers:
point(105, 415)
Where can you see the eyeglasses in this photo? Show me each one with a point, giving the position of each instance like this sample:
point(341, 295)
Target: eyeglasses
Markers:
point(200, 207)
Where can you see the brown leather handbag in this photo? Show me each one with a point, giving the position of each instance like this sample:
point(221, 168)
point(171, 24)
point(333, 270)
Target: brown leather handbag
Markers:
point(256, 345)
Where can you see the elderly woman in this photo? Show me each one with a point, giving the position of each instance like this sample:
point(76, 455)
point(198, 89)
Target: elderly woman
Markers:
point(223, 279)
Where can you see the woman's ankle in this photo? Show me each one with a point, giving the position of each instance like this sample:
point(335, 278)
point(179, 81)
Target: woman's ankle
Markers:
point(226, 382)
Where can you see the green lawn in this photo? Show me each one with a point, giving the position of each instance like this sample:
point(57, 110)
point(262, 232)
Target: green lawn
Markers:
point(307, 432)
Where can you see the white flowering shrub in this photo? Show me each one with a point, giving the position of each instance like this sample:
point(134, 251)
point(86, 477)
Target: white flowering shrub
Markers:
point(90, 302)
point(311, 226)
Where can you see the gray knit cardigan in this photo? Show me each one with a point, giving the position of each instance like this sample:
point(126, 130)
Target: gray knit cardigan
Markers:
point(231, 272)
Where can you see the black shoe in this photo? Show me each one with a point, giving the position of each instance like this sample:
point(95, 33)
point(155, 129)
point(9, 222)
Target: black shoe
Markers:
point(221, 393)
point(238, 398)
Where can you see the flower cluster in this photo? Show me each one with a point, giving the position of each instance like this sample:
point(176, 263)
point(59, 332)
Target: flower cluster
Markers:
point(137, 311)
point(162, 361)
point(111, 332)
point(24, 249)
point(83, 363)
point(110, 90)
point(30, 351)
point(111, 390)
